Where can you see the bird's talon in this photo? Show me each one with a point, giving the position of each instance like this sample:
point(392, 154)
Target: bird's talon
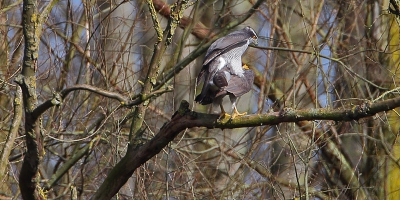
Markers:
point(245, 67)
point(224, 118)
point(236, 114)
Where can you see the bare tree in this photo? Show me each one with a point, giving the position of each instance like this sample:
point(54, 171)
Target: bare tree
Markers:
point(96, 101)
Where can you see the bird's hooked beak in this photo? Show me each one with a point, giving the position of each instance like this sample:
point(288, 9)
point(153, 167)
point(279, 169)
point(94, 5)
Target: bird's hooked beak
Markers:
point(255, 40)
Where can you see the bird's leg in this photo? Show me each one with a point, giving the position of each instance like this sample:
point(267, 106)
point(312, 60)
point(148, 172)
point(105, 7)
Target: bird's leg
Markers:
point(223, 114)
point(222, 108)
point(236, 113)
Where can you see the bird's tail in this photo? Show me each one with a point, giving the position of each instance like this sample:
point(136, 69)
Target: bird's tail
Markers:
point(204, 98)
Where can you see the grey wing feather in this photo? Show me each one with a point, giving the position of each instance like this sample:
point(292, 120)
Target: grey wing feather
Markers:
point(224, 44)
point(201, 74)
point(208, 71)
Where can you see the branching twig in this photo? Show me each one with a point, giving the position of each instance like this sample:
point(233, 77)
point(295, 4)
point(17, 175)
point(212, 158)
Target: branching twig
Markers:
point(338, 60)
point(12, 133)
point(156, 22)
point(59, 97)
point(71, 162)
point(199, 30)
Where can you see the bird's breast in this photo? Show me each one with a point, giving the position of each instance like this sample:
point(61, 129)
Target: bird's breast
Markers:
point(221, 63)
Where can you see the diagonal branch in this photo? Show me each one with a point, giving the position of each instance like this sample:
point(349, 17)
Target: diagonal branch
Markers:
point(12, 133)
point(199, 30)
point(71, 162)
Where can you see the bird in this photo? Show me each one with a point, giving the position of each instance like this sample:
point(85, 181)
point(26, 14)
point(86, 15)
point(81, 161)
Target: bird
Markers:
point(223, 72)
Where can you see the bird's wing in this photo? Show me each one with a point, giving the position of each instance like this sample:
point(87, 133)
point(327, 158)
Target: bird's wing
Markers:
point(203, 70)
point(209, 71)
point(239, 86)
point(224, 45)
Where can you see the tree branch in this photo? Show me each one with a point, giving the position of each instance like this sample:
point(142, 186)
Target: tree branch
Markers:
point(199, 30)
point(28, 177)
point(367, 109)
point(58, 97)
point(71, 162)
point(338, 60)
point(12, 133)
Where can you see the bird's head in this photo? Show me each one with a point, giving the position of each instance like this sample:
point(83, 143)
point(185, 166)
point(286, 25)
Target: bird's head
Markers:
point(252, 35)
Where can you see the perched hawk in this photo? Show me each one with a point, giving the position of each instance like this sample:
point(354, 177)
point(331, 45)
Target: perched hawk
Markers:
point(222, 69)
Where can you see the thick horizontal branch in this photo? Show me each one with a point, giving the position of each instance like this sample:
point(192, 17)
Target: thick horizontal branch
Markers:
point(367, 109)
